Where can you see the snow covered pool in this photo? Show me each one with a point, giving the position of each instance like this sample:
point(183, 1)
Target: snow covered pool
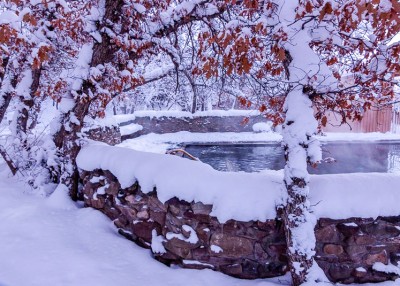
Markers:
point(349, 157)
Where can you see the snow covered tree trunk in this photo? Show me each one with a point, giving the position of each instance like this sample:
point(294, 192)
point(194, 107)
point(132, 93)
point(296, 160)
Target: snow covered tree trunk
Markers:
point(6, 91)
point(67, 139)
point(301, 65)
point(298, 220)
point(26, 103)
point(6, 94)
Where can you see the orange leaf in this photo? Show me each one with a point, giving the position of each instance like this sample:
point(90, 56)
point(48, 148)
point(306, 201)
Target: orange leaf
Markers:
point(324, 120)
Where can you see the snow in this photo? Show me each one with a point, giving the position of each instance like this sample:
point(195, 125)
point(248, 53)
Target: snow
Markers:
point(198, 181)
point(130, 129)
point(159, 143)
point(361, 269)
point(44, 245)
point(372, 136)
point(54, 241)
point(24, 87)
point(81, 71)
point(385, 6)
point(379, 266)
point(342, 196)
point(352, 224)
point(9, 17)
point(262, 127)
point(179, 114)
point(337, 196)
point(194, 262)
point(193, 239)
point(156, 242)
point(216, 248)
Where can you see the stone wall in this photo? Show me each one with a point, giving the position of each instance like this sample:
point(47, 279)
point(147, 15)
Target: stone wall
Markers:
point(348, 249)
point(109, 134)
point(183, 233)
point(200, 124)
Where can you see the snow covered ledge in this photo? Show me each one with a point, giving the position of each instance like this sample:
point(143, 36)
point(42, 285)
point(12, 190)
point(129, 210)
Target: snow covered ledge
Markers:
point(196, 217)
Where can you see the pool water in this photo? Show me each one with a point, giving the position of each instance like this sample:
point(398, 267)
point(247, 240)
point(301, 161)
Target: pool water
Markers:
point(349, 157)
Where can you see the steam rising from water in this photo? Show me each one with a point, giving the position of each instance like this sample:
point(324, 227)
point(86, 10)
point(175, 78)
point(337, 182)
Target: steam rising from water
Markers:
point(349, 157)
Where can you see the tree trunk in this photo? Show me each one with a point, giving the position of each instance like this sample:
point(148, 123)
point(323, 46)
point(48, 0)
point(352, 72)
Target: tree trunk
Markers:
point(21, 144)
point(7, 95)
point(67, 140)
point(9, 162)
point(295, 217)
point(28, 103)
point(193, 85)
point(300, 149)
point(67, 137)
point(5, 103)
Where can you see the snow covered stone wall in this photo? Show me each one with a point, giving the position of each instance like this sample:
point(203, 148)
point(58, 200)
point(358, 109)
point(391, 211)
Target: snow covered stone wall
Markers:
point(194, 123)
point(191, 215)
point(358, 250)
point(185, 234)
point(180, 233)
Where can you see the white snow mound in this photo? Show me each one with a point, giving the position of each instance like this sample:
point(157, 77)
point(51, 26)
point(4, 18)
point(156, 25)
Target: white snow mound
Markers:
point(243, 196)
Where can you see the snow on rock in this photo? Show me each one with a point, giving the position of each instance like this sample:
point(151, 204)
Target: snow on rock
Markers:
point(156, 242)
point(262, 127)
point(216, 248)
point(130, 129)
point(90, 123)
point(197, 182)
point(361, 269)
point(194, 262)
point(95, 180)
point(193, 239)
point(379, 266)
point(244, 196)
point(365, 195)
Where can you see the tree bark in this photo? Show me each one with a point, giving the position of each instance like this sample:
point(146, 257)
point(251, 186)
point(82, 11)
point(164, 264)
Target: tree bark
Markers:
point(299, 222)
point(9, 162)
point(67, 137)
point(6, 95)
point(67, 140)
point(27, 103)
point(6, 102)
point(295, 217)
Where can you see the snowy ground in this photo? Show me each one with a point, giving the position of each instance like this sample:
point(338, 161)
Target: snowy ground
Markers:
point(52, 241)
